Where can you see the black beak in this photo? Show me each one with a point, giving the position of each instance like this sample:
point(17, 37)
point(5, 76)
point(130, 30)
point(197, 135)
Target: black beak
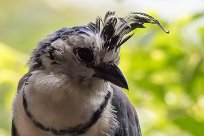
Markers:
point(111, 73)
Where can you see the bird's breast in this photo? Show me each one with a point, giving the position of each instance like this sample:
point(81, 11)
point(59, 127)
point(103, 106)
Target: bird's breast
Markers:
point(55, 103)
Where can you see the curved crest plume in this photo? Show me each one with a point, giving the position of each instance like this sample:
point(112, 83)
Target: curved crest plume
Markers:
point(115, 31)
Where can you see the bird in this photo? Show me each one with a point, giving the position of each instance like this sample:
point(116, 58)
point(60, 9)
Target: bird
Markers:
point(74, 86)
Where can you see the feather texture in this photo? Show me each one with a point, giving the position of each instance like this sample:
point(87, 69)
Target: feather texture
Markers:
point(115, 31)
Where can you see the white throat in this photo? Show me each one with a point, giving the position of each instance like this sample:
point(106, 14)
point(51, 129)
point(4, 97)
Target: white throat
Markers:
point(59, 102)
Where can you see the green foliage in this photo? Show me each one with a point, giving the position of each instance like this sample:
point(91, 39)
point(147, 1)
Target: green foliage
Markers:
point(166, 76)
point(12, 67)
point(165, 72)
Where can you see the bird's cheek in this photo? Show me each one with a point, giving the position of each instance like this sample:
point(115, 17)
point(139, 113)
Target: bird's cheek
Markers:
point(82, 73)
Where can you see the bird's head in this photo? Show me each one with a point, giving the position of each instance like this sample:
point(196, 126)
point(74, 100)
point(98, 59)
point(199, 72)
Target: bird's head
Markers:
point(89, 52)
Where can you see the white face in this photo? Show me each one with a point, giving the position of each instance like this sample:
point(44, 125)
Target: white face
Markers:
point(77, 55)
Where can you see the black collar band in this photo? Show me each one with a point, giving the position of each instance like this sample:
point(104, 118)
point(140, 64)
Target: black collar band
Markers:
point(76, 130)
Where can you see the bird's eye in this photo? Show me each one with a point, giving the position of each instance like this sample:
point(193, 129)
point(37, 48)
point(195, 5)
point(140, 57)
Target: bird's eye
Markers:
point(84, 54)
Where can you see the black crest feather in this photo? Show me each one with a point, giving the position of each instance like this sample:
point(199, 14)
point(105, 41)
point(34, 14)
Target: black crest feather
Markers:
point(115, 31)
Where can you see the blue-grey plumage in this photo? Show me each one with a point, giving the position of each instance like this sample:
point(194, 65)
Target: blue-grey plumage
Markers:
point(73, 86)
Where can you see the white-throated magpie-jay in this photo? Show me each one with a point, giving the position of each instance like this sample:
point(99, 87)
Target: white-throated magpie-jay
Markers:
point(73, 86)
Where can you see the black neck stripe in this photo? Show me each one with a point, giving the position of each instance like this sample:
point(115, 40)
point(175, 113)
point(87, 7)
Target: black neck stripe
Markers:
point(76, 130)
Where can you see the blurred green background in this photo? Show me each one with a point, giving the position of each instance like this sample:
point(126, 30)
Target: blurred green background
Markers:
point(165, 71)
